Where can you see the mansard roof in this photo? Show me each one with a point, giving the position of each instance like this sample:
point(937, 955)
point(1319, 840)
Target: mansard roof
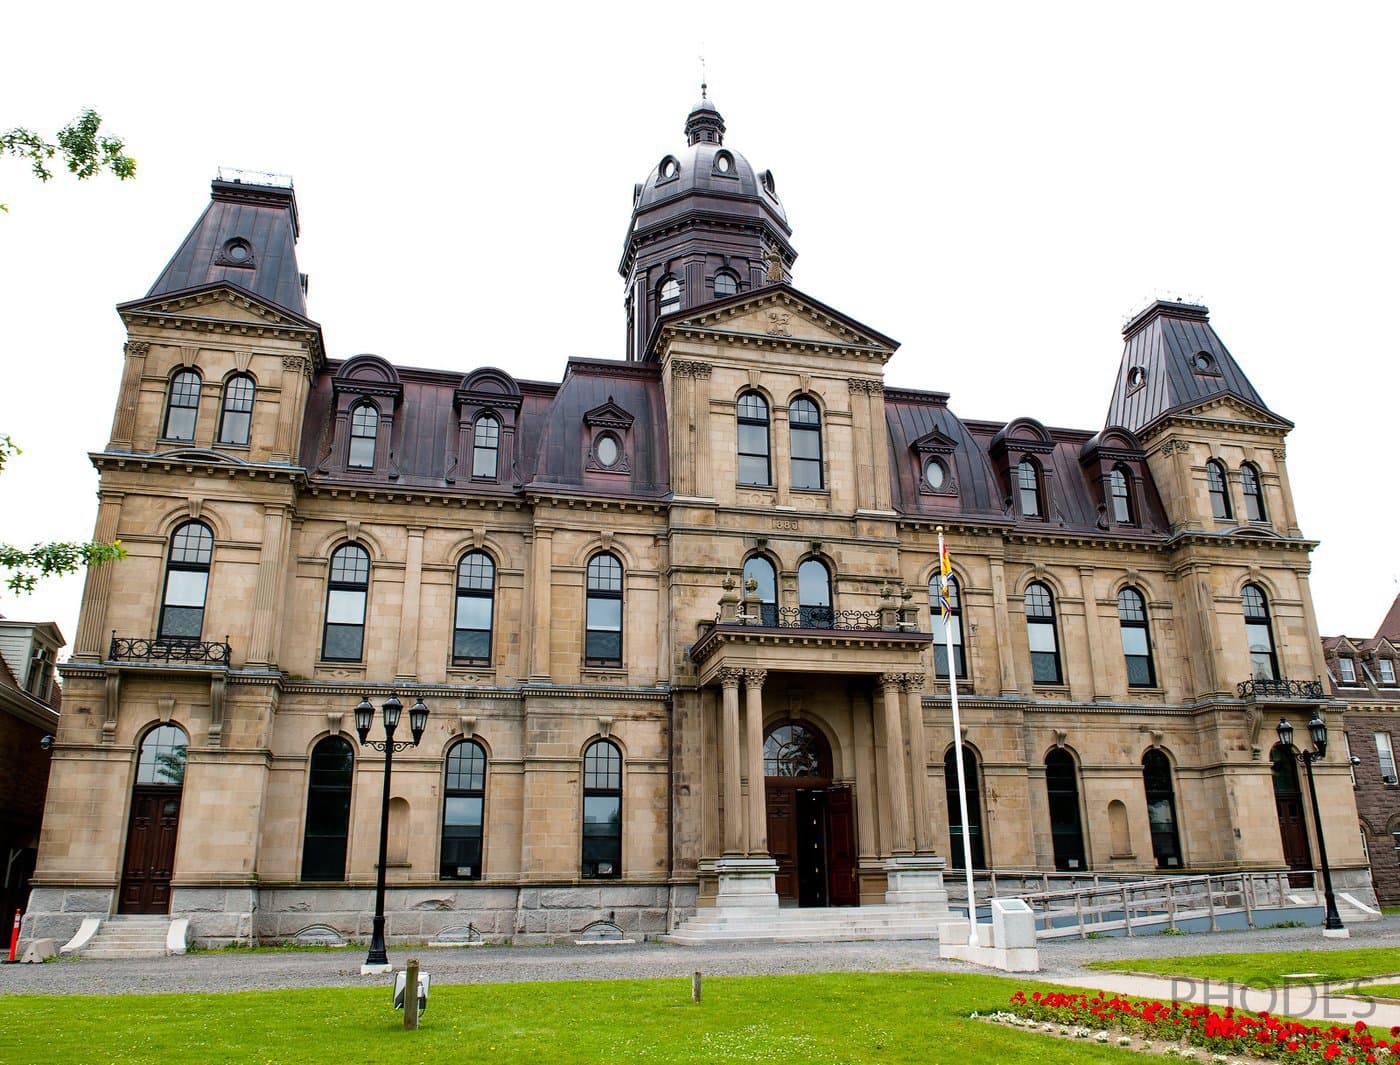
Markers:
point(1172, 361)
point(247, 236)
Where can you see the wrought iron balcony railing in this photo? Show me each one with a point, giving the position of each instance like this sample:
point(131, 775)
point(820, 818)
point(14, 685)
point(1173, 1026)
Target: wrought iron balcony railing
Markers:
point(813, 617)
point(1261, 688)
point(169, 649)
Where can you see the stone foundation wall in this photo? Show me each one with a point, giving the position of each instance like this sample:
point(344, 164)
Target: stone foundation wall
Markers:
point(56, 913)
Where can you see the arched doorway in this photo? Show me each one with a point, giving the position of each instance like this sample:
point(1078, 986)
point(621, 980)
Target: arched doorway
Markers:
point(974, 809)
point(1161, 809)
point(811, 822)
point(1066, 826)
point(1288, 801)
point(154, 822)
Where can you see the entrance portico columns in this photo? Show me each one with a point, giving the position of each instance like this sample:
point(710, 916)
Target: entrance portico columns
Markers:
point(896, 792)
point(913, 687)
point(729, 729)
point(753, 730)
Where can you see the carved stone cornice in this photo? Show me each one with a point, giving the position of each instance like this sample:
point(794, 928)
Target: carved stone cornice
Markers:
point(686, 368)
point(859, 384)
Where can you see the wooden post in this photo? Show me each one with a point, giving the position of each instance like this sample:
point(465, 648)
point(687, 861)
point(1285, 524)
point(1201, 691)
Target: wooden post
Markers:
point(695, 986)
point(410, 997)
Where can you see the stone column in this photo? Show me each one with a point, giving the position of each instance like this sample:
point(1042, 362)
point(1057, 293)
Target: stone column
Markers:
point(541, 585)
point(729, 737)
point(412, 600)
point(913, 686)
point(896, 791)
point(262, 649)
point(753, 737)
point(124, 423)
point(704, 481)
point(1006, 659)
point(296, 376)
point(1097, 674)
point(92, 638)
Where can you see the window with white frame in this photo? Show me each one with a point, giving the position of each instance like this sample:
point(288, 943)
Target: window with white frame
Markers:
point(1385, 753)
point(1347, 668)
point(1387, 668)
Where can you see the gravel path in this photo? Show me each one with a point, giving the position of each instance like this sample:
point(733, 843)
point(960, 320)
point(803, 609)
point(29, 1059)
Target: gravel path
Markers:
point(236, 971)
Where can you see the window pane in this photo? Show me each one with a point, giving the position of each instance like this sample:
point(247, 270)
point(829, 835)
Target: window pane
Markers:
point(1139, 671)
point(602, 815)
point(346, 607)
point(463, 810)
point(473, 612)
point(753, 470)
point(806, 473)
point(1045, 668)
point(1134, 640)
point(753, 439)
point(471, 643)
point(362, 452)
point(761, 570)
point(235, 428)
point(483, 462)
point(813, 584)
point(182, 622)
point(1042, 636)
point(184, 587)
point(180, 424)
point(806, 444)
point(1385, 753)
point(604, 574)
point(350, 565)
point(162, 757)
point(344, 642)
point(605, 614)
point(606, 646)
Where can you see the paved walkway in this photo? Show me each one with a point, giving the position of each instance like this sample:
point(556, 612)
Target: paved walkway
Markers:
point(1064, 962)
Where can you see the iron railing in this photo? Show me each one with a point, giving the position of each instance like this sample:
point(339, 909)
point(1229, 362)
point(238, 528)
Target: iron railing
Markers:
point(168, 649)
point(1261, 688)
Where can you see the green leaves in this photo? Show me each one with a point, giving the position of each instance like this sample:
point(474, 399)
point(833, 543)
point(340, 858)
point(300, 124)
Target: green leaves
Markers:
point(27, 566)
point(85, 150)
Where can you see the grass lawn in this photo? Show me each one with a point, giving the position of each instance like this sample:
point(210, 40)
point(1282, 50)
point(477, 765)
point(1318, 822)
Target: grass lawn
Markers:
point(1268, 970)
point(795, 1020)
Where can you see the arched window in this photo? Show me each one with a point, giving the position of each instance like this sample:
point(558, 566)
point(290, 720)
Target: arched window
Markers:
point(761, 570)
point(726, 284)
point(805, 434)
point(1161, 809)
point(1263, 662)
point(794, 750)
point(364, 434)
point(346, 592)
point(753, 440)
point(1137, 646)
point(182, 405)
point(670, 296)
point(486, 444)
point(236, 414)
point(327, 810)
point(162, 757)
point(1028, 485)
point(1219, 493)
point(602, 641)
point(1040, 630)
point(476, 596)
point(814, 595)
point(954, 627)
point(602, 810)
point(186, 582)
point(1066, 827)
point(462, 810)
point(1253, 494)
point(974, 808)
point(1121, 496)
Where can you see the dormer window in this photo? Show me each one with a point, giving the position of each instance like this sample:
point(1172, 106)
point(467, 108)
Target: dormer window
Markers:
point(607, 450)
point(935, 473)
point(364, 433)
point(1120, 496)
point(1253, 494)
point(1347, 669)
point(486, 443)
point(669, 169)
point(1387, 670)
point(724, 163)
point(670, 296)
point(1029, 490)
point(726, 284)
point(1203, 362)
point(1137, 377)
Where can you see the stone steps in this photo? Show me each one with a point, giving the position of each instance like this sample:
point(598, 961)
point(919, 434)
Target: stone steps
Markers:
point(129, 936)
point(791, 925)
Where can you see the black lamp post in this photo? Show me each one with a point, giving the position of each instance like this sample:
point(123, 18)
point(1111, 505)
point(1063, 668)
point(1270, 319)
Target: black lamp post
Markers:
point(378, 960)
point(1317, 729)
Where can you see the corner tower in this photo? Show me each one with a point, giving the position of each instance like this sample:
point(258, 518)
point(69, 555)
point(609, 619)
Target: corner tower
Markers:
point(704, 226)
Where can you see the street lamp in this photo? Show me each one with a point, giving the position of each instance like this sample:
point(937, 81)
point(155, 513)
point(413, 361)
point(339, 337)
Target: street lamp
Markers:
point(378, 960)
point(1317, 729)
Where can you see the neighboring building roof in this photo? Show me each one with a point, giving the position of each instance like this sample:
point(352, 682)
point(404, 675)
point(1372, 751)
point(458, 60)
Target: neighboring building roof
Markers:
point(247, 236)
point(1173, 360)
point(1390, 626)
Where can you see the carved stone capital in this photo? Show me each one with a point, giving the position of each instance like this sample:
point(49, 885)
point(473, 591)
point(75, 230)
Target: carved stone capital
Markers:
point(730, 677)
point(860, 384)
point(912, 682)
point(891, 681)
point(137, 348)
point(754, 678)
point(684, 368)
point(297, 364)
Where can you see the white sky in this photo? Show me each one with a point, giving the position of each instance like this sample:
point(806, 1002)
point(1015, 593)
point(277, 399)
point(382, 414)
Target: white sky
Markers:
point(995, 185)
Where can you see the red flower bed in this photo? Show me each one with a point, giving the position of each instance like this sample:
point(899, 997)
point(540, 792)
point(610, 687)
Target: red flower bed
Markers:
point(1227, 1031)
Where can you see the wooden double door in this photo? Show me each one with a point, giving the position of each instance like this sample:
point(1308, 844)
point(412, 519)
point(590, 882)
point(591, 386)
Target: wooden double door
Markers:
point(812, 836)
point(150, 850)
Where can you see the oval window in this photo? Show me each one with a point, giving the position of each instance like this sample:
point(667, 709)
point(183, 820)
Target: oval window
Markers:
point(668, 168)
point(934, 473)
point(607, 451)
point(722, 164)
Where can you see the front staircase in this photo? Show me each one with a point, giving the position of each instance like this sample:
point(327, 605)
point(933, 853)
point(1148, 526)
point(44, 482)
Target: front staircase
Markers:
point(791, 924)
point(129, 936)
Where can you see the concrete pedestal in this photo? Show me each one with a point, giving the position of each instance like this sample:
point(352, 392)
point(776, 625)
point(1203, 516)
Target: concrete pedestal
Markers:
point(747, 883)
point(915, 880)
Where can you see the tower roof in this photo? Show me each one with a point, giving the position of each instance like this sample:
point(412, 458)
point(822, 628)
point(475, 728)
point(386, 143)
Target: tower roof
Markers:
point(246, 236)
point(1174, 360)
point(704, 123)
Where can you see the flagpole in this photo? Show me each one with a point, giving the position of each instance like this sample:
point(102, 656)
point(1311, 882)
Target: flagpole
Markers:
point(943, 571)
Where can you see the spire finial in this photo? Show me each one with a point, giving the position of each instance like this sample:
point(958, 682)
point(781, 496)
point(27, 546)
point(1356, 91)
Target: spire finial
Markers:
point(704, 80)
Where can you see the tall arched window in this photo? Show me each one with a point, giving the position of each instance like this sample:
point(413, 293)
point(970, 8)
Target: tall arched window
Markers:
point(327, 810)
point(162, 757)
point(955, 633)
point(236, 413)
point(602, 641)
point(814, 595)
point(1040, 630)
point(1066, 827)
point(476, 597)
point(1122, 498)
point(1253, 494)
point(670, 296)
point(1161, 809)
point(974, 808)
point(1137, 645)
point(486, 444)
point(1219, 493)
point(753, 440)
point(364, 434)
point(805, 434)
point(763, 574)
point(602, 810)
point(1029, 489)
point(726, 284)
point(346, 592)
point(1263, 662)
point(182, 405)
point(186, 582)
point(462, 811)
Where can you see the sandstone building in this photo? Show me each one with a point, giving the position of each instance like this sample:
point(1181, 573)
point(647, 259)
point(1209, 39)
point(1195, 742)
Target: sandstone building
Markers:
point(670, 614)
